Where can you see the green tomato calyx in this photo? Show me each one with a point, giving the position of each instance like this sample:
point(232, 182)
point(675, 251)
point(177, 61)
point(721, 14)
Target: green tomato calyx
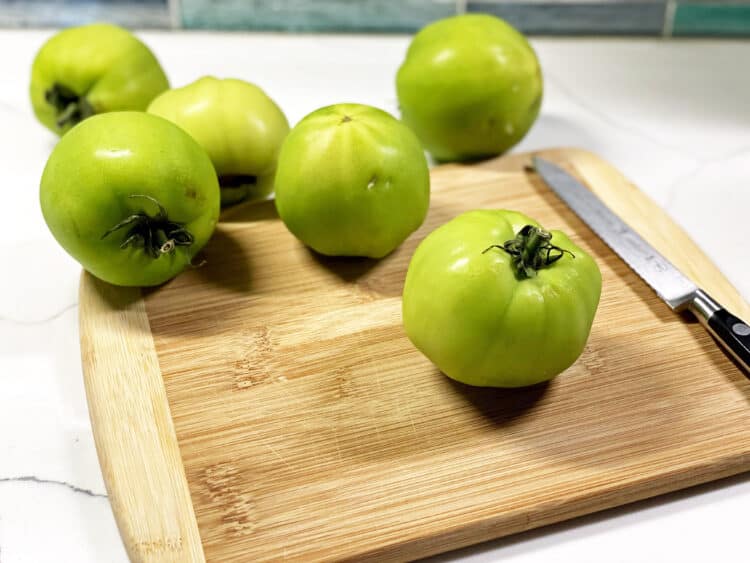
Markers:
point(157, 235)
point(69, 106)
point(531, 250)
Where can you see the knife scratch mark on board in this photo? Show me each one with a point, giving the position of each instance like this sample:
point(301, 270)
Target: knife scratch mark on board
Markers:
point(277, 454)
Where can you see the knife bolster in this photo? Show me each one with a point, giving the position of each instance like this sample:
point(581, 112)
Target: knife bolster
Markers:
point(703, 306)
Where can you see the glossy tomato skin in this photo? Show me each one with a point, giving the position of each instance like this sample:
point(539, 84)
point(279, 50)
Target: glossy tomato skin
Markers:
point(105, 64)
point(469, 313)
point(470, 87)
point(240, 127)
point(352, 181)
point(94, 170)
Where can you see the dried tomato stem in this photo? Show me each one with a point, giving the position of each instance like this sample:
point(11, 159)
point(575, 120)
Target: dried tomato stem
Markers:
point(156, 234)
point(531, 250)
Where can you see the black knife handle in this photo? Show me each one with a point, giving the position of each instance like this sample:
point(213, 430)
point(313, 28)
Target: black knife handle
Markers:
point(731, 332)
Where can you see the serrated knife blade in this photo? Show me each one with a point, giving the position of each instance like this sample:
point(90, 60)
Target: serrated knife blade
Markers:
point(676, 289)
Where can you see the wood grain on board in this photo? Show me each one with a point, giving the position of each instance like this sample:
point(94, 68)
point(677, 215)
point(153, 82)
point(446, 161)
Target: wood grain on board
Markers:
point(310, 428)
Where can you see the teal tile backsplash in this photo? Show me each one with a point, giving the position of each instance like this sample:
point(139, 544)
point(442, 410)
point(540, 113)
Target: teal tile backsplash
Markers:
point(711, 18)
point(578, 18)
point(714, 18)
point(64, 13)
point(317, 15)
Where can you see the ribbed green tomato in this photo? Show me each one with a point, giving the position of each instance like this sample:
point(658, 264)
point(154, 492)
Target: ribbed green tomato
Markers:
point(493, 302)
point(130, 196)
point(352, 181)
point(470, 87)
point(92, 69)
point(240, 127)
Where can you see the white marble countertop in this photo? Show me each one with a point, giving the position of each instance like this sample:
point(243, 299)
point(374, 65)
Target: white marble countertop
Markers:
point(672, 115)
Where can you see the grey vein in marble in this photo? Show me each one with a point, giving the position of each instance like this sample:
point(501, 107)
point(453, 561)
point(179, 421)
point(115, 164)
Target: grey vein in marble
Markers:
point(35, 479)
point(608, 119)
point(698, 168)
point(5, 106)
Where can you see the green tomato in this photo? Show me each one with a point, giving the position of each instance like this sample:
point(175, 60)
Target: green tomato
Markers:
point(130, 196)
point(240, 127)
point(493, 300)
point(352, 181)
point(92, 69)
point(470, 87)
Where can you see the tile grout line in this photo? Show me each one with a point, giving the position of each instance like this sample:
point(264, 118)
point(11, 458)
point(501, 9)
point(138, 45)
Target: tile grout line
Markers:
point(669, 11)
point(175, 13)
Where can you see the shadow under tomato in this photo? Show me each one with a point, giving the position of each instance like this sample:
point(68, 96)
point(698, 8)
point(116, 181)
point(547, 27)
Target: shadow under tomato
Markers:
point(348, 268)
point(466, 161)
point(500, 405)
point(117, 297)
point(249, 212)
point(227, 263)
point(391, 268)
point(190, 304)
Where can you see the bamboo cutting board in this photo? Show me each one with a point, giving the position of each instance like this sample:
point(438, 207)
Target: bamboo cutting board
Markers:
point(268, 405)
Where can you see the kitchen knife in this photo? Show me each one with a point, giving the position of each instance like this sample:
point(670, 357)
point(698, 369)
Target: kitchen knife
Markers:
point(670, 284)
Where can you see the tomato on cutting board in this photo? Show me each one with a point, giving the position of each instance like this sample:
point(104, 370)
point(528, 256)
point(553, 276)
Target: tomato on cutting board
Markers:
point(495, 300)
point(130, 196)
point(352, 181)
